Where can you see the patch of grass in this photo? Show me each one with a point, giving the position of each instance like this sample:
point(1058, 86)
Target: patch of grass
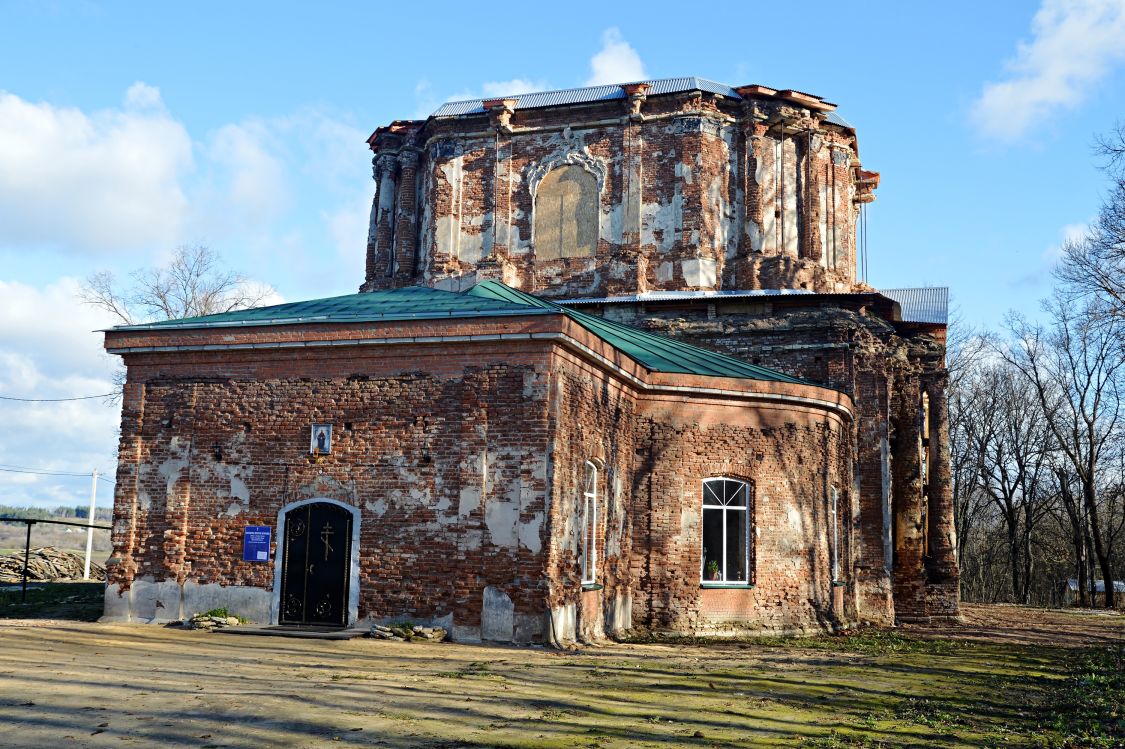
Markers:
point(82, 602)
point(223, 613)
point(1089, 709)
point(838, 740)
point(864, 641)
point(929, 711)
point(477, 669)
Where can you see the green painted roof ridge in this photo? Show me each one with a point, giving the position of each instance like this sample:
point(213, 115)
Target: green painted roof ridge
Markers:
point(710, 362)
point(346, 307)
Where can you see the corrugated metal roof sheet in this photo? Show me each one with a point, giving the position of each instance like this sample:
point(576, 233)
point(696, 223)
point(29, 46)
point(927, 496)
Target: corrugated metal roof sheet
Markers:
point(672, 296)
point(590, 94)
point(925, 305)
point(655, 352)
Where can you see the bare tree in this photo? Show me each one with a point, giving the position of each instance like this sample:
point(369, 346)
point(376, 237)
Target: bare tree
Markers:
point(1094, 265)
point(193, 283)
point(1013, 445)
point(965, 353)
point(1075, 367)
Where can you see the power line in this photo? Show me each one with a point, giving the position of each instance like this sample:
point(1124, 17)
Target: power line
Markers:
point(56, 400)
point(38, 472)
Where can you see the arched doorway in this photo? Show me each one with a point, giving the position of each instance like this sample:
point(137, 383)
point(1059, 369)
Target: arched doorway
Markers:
point(317, 564)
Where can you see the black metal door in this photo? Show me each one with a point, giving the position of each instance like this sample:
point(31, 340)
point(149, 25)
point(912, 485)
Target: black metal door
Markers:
point(314, 569)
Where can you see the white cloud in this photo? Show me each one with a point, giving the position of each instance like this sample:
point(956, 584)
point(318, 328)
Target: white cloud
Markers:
point(143, 96)
point(490, 90)
point(615, 62)
point(1074, 44)
point(250, 171)
point(48, 350)
point(1039, 271)
point(109, 179)
point(348, 226)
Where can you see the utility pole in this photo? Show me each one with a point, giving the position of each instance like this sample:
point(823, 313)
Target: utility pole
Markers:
point(90, 521)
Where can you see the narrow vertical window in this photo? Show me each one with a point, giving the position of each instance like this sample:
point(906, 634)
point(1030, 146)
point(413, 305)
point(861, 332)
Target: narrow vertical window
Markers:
point(833, 506)
point(726, 531)
point(924, 469)
point(590, 525)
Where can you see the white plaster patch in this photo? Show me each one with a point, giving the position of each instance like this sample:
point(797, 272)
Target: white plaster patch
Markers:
point(793, 515)
point(754, 234)
point(469, 500)
point(665, 219)
point(497, 619)
point(238, 489)
point(665, 271)
point(700, 272)
point(457, 283)
point(529, 533)
point(377, 507)
point(610, 225)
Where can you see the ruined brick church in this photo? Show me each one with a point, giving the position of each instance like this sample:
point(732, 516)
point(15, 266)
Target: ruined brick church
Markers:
point(610, 370)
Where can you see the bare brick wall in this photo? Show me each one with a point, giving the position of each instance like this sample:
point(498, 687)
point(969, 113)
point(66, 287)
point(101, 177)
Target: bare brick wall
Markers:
point(791, 458)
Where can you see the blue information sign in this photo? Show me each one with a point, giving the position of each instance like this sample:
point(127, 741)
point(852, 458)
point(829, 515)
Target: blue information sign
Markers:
point(256, 543)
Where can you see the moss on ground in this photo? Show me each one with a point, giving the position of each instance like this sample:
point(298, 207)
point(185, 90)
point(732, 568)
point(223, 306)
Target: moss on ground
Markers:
point(866, 689)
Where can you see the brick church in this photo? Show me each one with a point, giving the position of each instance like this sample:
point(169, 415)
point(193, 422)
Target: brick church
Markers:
point(610, 370)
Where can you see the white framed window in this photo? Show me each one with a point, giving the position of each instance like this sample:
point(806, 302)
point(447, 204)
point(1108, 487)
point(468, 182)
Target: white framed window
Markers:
point(726, 531)
point(590, 525)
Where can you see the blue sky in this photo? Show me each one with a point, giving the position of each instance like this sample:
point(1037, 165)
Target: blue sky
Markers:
point(128, 129)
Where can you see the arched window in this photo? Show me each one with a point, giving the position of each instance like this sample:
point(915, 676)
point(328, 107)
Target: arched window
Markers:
point(726, 531)
point(566, 214)
point(590, 525)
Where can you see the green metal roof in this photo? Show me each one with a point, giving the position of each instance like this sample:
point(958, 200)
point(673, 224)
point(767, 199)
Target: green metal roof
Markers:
point(487, 299)
point(409, 303)
point(654, 352)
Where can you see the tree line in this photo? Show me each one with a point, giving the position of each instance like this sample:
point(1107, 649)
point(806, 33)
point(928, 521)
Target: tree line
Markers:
point(1037, 427)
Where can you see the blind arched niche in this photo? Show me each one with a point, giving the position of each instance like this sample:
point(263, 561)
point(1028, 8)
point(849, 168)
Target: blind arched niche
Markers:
point(566, 214)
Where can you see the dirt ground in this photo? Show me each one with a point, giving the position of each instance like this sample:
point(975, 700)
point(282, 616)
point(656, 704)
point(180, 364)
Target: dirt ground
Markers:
point(1025, 625)
point(989, 682)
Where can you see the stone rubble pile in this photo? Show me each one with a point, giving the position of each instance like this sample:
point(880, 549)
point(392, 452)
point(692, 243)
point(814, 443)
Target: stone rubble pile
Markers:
point(203, 621)
point(406, 633)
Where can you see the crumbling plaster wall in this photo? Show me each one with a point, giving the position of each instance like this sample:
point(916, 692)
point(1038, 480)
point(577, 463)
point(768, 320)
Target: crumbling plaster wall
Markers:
point(591, 414)
point(695, 193)
point(654, 453)
point(884, 370)
point(448, 470)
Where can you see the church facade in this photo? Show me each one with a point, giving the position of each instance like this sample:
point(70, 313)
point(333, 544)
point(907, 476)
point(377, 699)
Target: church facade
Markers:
point(610, 370)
